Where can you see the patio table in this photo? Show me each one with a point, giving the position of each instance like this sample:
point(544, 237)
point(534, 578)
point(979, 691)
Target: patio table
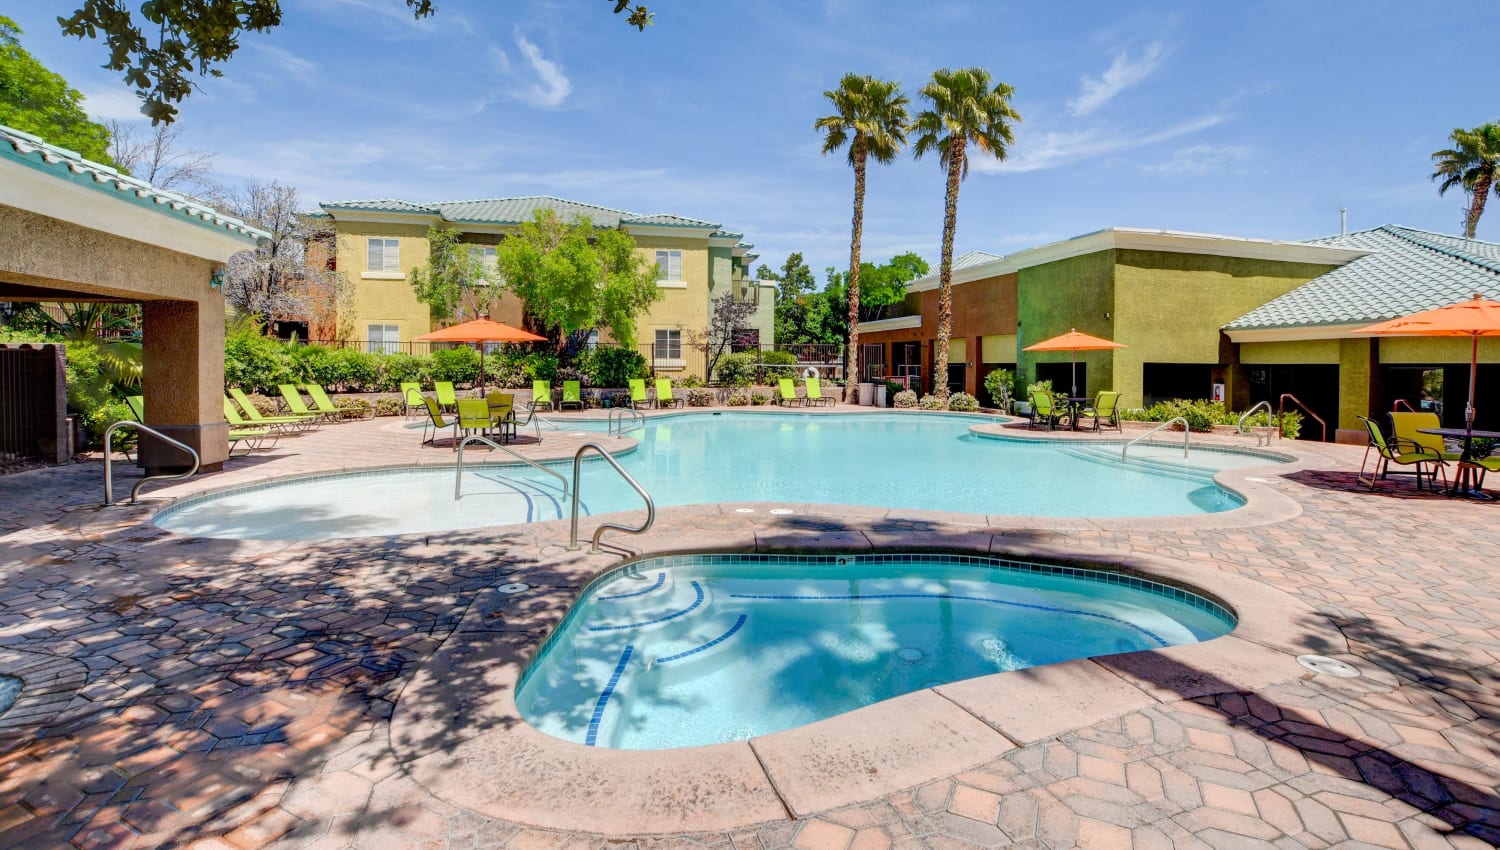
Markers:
point(1462, 480)
point(1075, 406)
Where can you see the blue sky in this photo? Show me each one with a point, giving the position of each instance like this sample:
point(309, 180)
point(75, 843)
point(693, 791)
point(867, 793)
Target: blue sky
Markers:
point(1249, 119)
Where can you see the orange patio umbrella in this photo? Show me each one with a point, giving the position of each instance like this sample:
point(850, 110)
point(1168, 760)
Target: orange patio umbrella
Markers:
point(1474, 318)
point(480, 331)
point(1074, 342)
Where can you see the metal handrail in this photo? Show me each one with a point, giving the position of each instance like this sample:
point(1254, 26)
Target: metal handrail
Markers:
point(458, 470)
point(1187, 430)
point(1240, 426)
point(599, 532)
point(1281, 408)
point(534, 420)
point(1398, 403)
point(618, 414)
point(109, 473)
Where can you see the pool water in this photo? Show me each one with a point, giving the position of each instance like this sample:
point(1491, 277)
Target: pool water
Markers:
point(879, 460)
point(690, 650)
point(10, 691)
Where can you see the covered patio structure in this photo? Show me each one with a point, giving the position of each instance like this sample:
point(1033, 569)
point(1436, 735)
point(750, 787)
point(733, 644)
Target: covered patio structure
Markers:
point(76, 231)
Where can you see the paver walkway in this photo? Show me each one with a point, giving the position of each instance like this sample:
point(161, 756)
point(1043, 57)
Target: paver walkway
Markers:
point(239, 694)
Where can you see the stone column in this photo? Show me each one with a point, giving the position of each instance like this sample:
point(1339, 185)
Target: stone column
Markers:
point(183, 383)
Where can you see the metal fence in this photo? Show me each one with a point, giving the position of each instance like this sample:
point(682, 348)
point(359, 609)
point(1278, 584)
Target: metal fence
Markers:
point(33, 404)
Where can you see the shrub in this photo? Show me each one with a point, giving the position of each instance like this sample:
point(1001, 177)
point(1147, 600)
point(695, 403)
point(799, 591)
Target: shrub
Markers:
point(906, 399)
point(778, 358)
point(458, 365)
point(265, 405)
point(689, 381)
point(619, 399)
point(1200, 415)
point(386, 406)
point(311, 364)
point(538, 366)
point(759, 397)
point(353, 370)
point(354, 408)
point(255, 362)
point(609, 366)
point(963, 402)
point(397, 368)
point(737, 370)
point(1001, 385)
point(932, 401)
point(738, 398)
point(700, 397)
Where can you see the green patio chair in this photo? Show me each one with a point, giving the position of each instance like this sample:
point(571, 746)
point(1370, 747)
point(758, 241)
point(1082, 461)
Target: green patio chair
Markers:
point(447, 397)
point(284, 422)
point(502, 412)
point(572, 394)
point(787, 394)
point(1401, 452)
point(815, 393)
point(1105, 411)
point(294, 402)
point(1042, 411)
point(137, 405)
point(664, 396)
point(1406, 427)
point(541, 393)
point(638, 397)
point(411, 397)
point(473, 417)
point(436, 422)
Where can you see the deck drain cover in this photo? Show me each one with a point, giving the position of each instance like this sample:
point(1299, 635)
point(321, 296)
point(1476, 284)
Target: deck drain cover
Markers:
point(781, 511)
point(744, 510)
point(910, 654)
point(514, 588)
point(1328, 666)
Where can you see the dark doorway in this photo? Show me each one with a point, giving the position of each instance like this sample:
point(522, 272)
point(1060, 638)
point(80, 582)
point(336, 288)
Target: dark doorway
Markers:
point(872, 361)
point(1166, 381)
point(1316, 386)
point(287, 330)
point(1061, 376)
point(1443, 389)
point(906, 363)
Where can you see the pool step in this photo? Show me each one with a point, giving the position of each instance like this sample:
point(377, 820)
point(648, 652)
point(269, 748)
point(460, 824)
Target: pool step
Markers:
point(697, 651)
point(540, 501)
point(1110, 456)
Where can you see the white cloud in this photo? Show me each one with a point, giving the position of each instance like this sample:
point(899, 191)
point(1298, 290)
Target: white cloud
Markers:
point(1055, 148)
point(305, 70)
point(117, 104)
point(552, 86)
point(1121, 74)
point(1197, 160)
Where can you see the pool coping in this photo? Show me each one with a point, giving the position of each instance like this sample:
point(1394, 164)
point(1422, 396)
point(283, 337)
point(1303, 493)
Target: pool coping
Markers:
point(496, 763)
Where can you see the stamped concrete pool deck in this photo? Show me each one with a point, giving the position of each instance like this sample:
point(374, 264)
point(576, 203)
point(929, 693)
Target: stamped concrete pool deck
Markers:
point(356, 693)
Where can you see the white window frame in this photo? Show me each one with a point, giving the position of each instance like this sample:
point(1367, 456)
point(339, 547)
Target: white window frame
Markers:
point(488, 255)
point(666, 270)
point(389, 251)
point(660, 356)
point(386, 341)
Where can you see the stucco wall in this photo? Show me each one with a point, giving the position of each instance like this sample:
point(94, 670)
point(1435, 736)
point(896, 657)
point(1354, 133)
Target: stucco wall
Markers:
point(1056, 297)
point(1419, 350)
point(1290, 353)
point(384, 298)
point(683, 305)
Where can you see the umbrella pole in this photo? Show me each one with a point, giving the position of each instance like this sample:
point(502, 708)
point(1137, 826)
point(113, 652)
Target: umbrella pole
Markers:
point(481, 368)
point(1073, 362)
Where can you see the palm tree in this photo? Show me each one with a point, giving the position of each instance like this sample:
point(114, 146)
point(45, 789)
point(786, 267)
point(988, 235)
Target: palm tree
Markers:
point(1472, 163)
point(870, 116)
point(965, 110)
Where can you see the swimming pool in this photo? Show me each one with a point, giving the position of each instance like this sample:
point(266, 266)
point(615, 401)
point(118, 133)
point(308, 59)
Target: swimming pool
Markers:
point(879, 460)
point(699, 649)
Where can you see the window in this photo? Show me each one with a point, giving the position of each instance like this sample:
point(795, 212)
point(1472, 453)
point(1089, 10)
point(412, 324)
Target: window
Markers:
point(668, 345)
point(668, 265)
point(384, 255)
point(383, 339)
point(485, 254)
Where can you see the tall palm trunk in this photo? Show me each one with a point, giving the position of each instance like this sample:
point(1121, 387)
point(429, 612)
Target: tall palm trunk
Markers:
point(851, 372)
point(945, 279)
point(1476, 203)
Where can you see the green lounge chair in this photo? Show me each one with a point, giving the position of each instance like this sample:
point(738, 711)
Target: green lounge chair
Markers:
point(638, 397)
point(1400, 452)
point(787, 394)
point(256, 418)
point(137, 405)
point(1406, 427)
point(664, 397)
point(294, 401)
point(815, 393)
point(572, 394)
point(541, 393)
point(436, 422)
point(411, 396)
point(239, 422)
point(322, 403)
point(1042, 411)
point(447, 398)
point(1105, 411)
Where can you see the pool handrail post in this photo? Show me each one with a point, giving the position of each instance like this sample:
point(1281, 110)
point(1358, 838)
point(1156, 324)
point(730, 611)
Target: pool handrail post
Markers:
point(604, 526)
point(458, 469)
point(1187, 431)
point(617, 416)
point(109, 474)
point(1264, 439)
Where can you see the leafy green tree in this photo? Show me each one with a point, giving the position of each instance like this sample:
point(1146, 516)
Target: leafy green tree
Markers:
point(454, 281)
point(870, 117)
point(886, 285)
point(572, 277)
point(964, 110)
point(37, 101)
point(793, 283)
point(174, 38)
point(1471, 163)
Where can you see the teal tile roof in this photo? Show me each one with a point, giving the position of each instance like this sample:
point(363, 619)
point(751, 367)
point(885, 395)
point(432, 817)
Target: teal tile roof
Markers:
point(517, 210)
point(961, 262)
point(1406, 271)
point(32, 151)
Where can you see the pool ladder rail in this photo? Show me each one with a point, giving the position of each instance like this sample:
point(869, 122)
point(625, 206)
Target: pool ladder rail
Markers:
point(1186, 432)
point(618, 426)
point(109, 473)
point(458, 469)
point(1262, 433)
